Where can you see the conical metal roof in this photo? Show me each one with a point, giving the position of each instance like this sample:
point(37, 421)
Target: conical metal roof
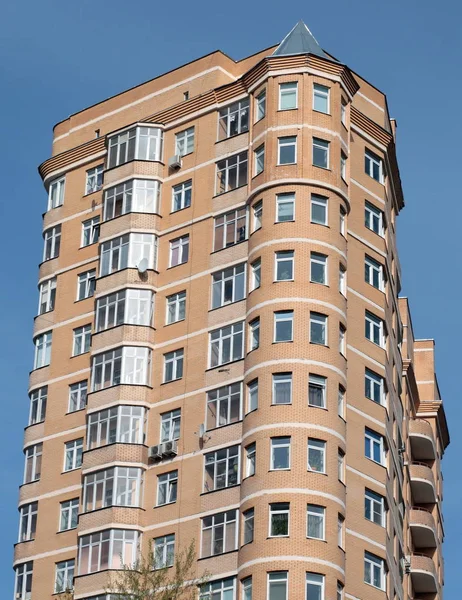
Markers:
point(299, 41)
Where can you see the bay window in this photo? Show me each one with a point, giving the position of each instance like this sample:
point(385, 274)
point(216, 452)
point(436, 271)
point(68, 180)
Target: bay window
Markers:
point(110, 549)
point(137, 143)
point(120, 424)
point(130, 307)
point(129, 365)
point(233, 119)
point(127, 251)
point(135, 196)
point(118, 486)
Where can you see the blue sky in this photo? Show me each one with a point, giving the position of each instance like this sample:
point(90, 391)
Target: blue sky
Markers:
point(57, 57)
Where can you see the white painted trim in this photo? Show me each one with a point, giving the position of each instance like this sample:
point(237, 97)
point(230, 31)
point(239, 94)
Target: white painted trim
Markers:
point(110, 526)
point(298, 126)
point(366, 477)
point(373, 361)
point(62, 491)
point(366, 243)
point(114, 463)
point(292, 361)
point(279, 558)
point(74, 216)
point(365, 189)
point(130, 178)
point(297, 181)
point(45, 555)
point(358, 93)
point(369, 138)
point(366, 539)
point(297, 300)
point(366, 416)
point(56, 379)
point(432, 381)
point(423, 349)
point(355, 293)
point(297, 241)
point(77, 163)
point(50, 327)
point(201, 515)
point(54, 435)
point(69, 268)
point(294, 426)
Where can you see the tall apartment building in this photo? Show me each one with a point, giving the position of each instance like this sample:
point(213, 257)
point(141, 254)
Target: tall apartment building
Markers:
point(221, 355)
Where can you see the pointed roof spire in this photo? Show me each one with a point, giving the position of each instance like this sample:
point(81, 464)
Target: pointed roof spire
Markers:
point(299, 41)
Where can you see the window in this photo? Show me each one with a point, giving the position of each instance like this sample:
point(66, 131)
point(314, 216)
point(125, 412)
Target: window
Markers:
point(33, 463)
point(287, 96)
point(374, 387)
point(282, 388)
point(315, 521)
point(373, 166)
point(221, 469)
point(94, 180)
point(374, 330)
point(342, 339)
point(342, 221)
point(223, 589)
point(280, 453)
point(314, 586)
point(167, 485)
point(341, 531)
point(374, 446)
point(64, 577)
point(252, 395)
point(231, 173)
point(285, 207)
point(227, 344)
point(128, 365)
point(90, 232)
point(42, 354)
point(118, 486)
point(173, 365)
point(343, 165)
point(110, 549)
point(181, 195)
point(38, 405)
point(170, 425)
point(284, 265)
point(342, 280)
point(255, 275)
point(278, 585)
point(228, 286)
point(341, 465)
point(373, 273)
point(138, 143)
point(56, 193)
point(234, 119)
point(254, 334)
point(257, 215)
point(374, 507)
point(164, 551)
point(184, 141)
point(321, 98)
point(69, 511)
point(250, 459)
point(73, 454)
point(134, 196)
point(128, 251)
point(78, 396)
point(82, 338)
point(259, 159)
point(23, 581)
point(122, 424)
point(341, 401)
point(339, 591)
point(318, 268)
point(373, 219)
point(318, 209)
point(86, 284)
point(260, 105)
point(27, 521)
point(320, 153)
point(52, 243)
point(343, 109)
point(318, 328)
point(176, 307)
point(283, 326)
point(219, 533)
point(316, 455)
point(230, 229)
point(279, 519)
point(179, 251)
point(47, 296)
point(287, 150)
point(224, 406)
point(317, 390)
point(246, 588)
point(374, 570)
point(130, 306)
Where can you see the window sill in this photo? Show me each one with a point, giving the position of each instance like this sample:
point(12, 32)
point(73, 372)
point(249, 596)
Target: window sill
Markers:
point(286, 109)
point(231, 137)
point(33, 424)
point(171, 380)
point(81, 354)
point(323, 168)
point(120, 325)
point(289, 164)
point(319, 344)
point(317, 472)
point(92, 192)
point(86, 297)
point(321, 224)
point(322, 112)
point(315, 406)
point(230, 246)
point(66, 530)
point(228, 191)
point(71, 470)
point(222, 426)
point(45, 312)
point(257, 174)
point(229, 487)
point(224, 366)
point(124, 269)
point(143, 160)
point(320, 283)
point(215, 555)
point(117, 385)
point(23, 542)
point(277, 470)
point(281, 404)
point(282, 342)
point(173, 212)
point(166, 504)
point(72, 412)
point(282, 280)
point(315, 539)
point(172, 323)
point(251, 411)
point(95, 243)
point(277, 537)
point(224, 305)
point(288, 221)
point(178, 265)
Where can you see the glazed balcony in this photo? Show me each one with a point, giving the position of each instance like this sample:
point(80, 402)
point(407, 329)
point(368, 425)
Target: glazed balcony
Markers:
point(422, 440)
point(423, 575)
point(423, 528)
point(422, 483)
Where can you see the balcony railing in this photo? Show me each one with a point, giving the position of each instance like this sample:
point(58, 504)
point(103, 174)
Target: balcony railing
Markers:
point(422, 440)
point(422, 483)
point(423, 574)
point(423, 528)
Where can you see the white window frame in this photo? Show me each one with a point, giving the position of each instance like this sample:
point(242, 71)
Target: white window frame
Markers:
point(227, 521)
point(127, 251)
point(81, 340)
point(248, 526)
point(124, 424)
point(320, 447)
point(321, 320)
point(317, 580)
point(90, 232)
point(275, 509)
point(77, 396)
point(288, 90)
point(137, 143)
point(342, 221)
point(343, 112)
point(255, 275)
point(68, 514)
point(376, 442)
point(374, 504)
point(259, 159)
point(42, 355)
point(254, 334)
point(175, 361)
point(222, 468)
point(27, 522)
point(376, 385)
point(374, 329)
point(284, 256)
point(52, 243)
point(277, 577)
point(376, 567)
point(115, 486)
point(73, 455)
point(373, 273)
point(252, 395)
point(250, 459)
point(94, 179)
point(260, 105)
point(342, 281)
point(341, 401)
point(64, 571)
point(373, 164)
point(163, 549)
point(219, 338)
point(33, 457)
point(257, 212)
point(341, 465)
point(181, 246)
point(234, 221)
point(184, 141)
point(170, 425)
point(218, 589)
point(56, 191)
point(23, 581)
point(320, 260)
point(111, 540)
point(342, 339)
point(321, 94)
point(86, 284)
point(47, 296)
point(222, 404)
point(237, 166)
point(374, 219)
point(318, 514)
point(135, 369)
point(324, 145)
point(169, 481)
point(278, 379)
point(284, 443)
point(130, 306)
point(281, 201)
point(232, 278)
point(343, 165)
point(237, 113)
point(181, 195)
point(287, 141)
point(322, 201)
point(341, 531)
point(38, 405)
point(132, 196)
point(283, 317)
point(318, 382)
point(175, 308)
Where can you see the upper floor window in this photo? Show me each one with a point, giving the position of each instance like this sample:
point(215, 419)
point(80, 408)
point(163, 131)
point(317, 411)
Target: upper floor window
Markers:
point(184, 141)
point(224, 406)
point(373, 273)
point(374, 387)
point(374, 446)
point(373, 219)
point(278, 583)
point(227, 344)
point(23, 581)
point(179, 251)
point(374, 329)
point(94, 179)
point(120, 424)
point(135, 196)
point(284, 265)
point(341, 401)
point(374, 571)
point(314, 586)
point(221, 468)
point(176, 308)
point(288, 95)
point(128, 365)
point(285, 207)
point(248, 526)
point(343, 111)
point(318, 209)
point(318, 328)
point(64, 576)
point(228, 286)
point(38, 405)
point(33, 463)
point(110, 549)
point(131, 307)
point(231, 172)
point(280, 453)
point(164, 551)
point(47, 296)
point(86, 284)
point(259, 157)
point(170, 423)
point(42, 354)
point(315, 521)
point(284, 326)
point(73, 454)
point(287, 150)
point(255, 275)
point(316, 455)
point(78, 396)
point(260, 105)
point(250, 459)
point(374, 507)
point(128, 251)
point(343, 165)
point(230, 229)
point(279, 517)
point(173, 365)
point(167, 488)
point(318, 268)
point(252, 395)
point(257, 215)
point(342, 220)
point(234, 119)
point(342, 280)
point(321, 153)
point(373, 165)
point(221, 589)
point(219, 533)
point(56, 193)
point(118, 486)
point(254, 334)
point(90, 232)
point(321, 98)
point(27, 521)
point(68, 516)
point(181, 195)
point(82, 340)
point(52, 242)
point(282, 388)
point(138, 143)
point(317, 388)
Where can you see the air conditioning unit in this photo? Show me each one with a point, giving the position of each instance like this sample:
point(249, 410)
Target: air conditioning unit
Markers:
point(407, 564)
point(170, 448)
point(175, 162)
point(155, 452)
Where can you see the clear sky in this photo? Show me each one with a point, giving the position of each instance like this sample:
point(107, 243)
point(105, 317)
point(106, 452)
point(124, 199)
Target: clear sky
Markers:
point(59, 56)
